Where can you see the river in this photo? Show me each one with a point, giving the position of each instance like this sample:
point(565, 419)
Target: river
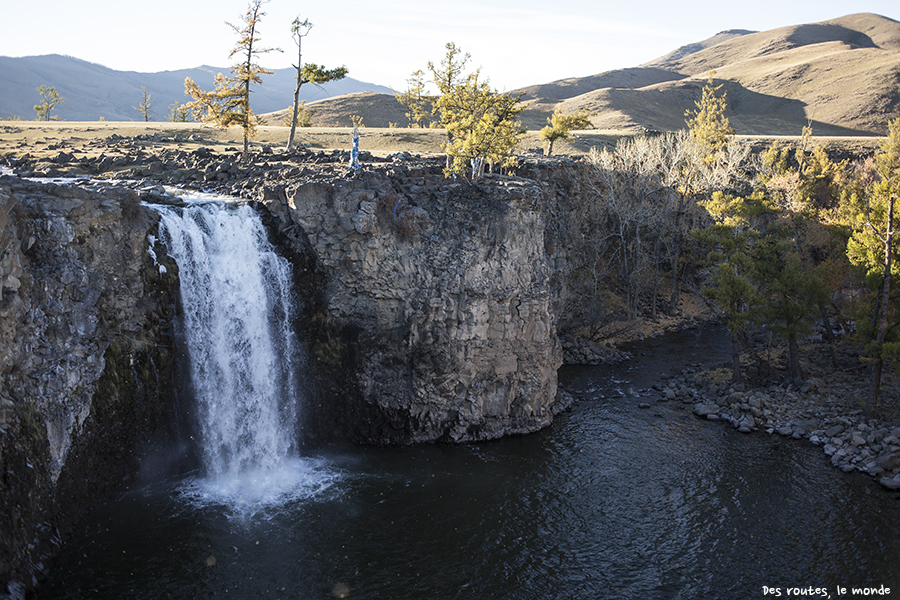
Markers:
point(612, 501)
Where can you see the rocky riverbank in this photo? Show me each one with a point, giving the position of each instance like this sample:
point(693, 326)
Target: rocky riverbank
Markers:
point(825, 409)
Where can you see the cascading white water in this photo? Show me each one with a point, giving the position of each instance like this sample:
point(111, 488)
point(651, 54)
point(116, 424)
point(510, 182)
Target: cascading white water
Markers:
point(236, 295)
point(237, 302)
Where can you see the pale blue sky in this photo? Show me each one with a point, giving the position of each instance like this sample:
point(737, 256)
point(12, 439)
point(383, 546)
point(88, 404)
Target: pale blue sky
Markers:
point(517, 43)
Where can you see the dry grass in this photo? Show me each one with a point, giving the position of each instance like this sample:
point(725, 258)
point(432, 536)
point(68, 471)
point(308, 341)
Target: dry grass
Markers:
point(48, 139)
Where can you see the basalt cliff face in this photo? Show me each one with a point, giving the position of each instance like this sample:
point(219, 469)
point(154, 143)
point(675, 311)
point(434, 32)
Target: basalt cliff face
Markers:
point(446, 289)
point(85, 358)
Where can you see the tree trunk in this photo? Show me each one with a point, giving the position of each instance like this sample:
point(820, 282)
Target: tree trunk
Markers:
point(626, 273)
point(246, 155)
point(654, 313)
point(290, 144)
point(247, 116)
point(794, 358)
point(449, 143)
point(736, 359)
point(872, 403)
point(828, 335)
point(299, 68)
point(679, 240)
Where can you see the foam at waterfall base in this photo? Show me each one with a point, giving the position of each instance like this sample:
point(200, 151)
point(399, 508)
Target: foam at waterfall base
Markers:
point(260, 492)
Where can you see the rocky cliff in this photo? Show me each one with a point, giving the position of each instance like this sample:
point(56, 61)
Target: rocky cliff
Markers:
point(447, 286)
point(85, 357)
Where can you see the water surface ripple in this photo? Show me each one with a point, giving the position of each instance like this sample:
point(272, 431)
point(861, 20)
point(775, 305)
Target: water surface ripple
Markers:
point(612, 501)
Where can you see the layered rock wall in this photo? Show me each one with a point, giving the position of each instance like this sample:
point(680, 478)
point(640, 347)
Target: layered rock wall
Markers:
point(448, 286)
point(85, 357)
point(430, 311)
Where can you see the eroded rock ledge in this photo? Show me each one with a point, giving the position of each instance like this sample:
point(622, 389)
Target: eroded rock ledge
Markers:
point(431, 309)
point(448, 288)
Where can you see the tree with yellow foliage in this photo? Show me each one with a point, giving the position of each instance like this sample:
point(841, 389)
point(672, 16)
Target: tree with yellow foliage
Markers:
point(481, 122)
point(481, 126)
point(414, 99)
point(708, 124)
point(562, 125)
point(144, 106)
point(49, 99)
point(872, 246)
point(229, 103)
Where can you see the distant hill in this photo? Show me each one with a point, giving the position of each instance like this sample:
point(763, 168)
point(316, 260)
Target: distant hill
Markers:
point(843, 75)
point(92, 91)
point(377, 110)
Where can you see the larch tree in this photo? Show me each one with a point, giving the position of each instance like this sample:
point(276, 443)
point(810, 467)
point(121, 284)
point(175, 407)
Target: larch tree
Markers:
point(308, 73)
point(304, 117)
point(178, 113)
point(49, 99)
point(144, 106)
point(708, 124)
point(449, 72)
point(481, 126)
point(732, 240)
point(446, 76)
point(560, 126)
point(229, 103)
point(481, 123)
point(708, 161)
point(872, 247)
point(414, 99)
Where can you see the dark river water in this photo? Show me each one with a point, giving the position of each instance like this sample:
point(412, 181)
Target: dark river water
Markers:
point(612, 501)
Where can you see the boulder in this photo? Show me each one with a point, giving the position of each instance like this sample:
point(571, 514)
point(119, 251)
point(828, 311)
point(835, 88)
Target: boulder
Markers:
point(704, 410)
point(892, 483)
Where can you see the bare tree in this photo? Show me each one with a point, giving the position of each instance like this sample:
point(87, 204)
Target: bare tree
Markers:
point(229, 103)
point(309, 73)
point(144, 106)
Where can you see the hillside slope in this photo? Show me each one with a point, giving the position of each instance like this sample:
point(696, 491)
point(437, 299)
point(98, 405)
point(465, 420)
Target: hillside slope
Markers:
point(842, 75)
point(377, 110)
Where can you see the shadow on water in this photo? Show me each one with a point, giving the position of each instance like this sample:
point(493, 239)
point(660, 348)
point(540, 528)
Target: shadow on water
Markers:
point(612, 501)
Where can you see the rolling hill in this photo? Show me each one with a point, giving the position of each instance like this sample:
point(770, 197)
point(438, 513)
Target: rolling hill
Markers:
point(92, 91)
point(842, 75)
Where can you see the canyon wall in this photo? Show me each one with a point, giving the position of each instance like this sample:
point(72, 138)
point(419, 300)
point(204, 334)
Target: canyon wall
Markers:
point(86, 358)
point(448, 288)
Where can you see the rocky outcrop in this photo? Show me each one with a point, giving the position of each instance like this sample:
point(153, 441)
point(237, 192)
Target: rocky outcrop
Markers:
point(85, 354)
point(448, 288)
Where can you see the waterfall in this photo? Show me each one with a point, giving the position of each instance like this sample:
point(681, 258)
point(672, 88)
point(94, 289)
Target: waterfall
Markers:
point(237, 311)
